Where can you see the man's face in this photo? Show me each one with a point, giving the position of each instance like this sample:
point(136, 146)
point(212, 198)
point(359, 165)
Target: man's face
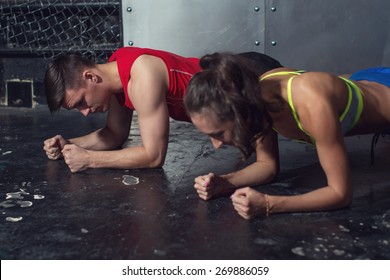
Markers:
point(89, 99)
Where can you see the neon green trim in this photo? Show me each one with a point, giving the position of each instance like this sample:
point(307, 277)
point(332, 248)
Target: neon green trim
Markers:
point(351, 85)
point(360, 102)
point(282, 73)
point(289, 96)
point(348, 103)
point(291, 103)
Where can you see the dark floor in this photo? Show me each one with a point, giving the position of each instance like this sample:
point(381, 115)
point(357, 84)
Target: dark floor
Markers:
point(49, 213)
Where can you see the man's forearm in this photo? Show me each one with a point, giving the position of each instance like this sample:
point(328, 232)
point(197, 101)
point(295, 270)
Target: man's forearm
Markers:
point(128, 158)
point(99, 140)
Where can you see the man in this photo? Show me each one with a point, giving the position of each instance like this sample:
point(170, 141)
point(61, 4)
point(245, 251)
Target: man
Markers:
point(152, 82)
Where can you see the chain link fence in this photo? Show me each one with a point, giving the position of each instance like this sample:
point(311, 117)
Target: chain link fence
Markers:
point(50, 28)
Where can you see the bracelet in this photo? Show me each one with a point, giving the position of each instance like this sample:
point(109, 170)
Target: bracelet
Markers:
point(266, 205)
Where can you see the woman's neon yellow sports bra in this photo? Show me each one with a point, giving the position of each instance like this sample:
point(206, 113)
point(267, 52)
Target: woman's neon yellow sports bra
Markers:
point(348, 118)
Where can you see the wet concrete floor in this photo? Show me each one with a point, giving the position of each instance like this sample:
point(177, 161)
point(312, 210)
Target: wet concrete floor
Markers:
point(48, 213)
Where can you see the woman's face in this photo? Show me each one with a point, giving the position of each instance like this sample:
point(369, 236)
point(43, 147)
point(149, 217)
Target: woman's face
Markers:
point(219, 132)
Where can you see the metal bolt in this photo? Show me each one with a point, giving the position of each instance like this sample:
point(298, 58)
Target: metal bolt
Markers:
point(257, 43)
point(273, 43)
point(130, 43)
point(256, 8)
point(273, 9)
point(129, 9)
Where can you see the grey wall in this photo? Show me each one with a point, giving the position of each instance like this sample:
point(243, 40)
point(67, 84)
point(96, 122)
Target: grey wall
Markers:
point(331, 35)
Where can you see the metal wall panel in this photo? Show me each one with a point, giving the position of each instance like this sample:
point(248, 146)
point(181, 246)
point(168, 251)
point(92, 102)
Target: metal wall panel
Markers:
point(331, 35)
point(194, 27)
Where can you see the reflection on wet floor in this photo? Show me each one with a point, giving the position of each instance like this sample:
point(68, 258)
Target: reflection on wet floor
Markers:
point(49, 213)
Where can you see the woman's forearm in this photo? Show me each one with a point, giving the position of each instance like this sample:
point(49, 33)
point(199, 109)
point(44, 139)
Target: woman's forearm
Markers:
point(254, 174)
point(325, 198)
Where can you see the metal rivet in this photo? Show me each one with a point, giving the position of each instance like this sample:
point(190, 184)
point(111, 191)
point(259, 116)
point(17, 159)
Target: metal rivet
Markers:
point(130, 43)
point(273, 9)
point(273, 43)
point(256, 8)
point(257, 43)
point(129, 9)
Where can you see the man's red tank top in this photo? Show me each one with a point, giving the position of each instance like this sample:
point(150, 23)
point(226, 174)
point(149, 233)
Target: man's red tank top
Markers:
point(180, 71)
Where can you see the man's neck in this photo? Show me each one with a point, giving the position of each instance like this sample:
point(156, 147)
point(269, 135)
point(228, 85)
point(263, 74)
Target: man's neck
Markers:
point(111, 76)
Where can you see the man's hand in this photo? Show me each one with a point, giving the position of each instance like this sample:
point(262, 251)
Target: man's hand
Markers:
point(53, 147)
point(76, 158)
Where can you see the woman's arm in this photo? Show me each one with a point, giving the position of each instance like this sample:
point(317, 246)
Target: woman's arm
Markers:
point(263, 170)
point(317, 106)
point(319, 115)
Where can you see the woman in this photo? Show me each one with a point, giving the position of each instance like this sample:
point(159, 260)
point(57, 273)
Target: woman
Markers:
point(228, 102)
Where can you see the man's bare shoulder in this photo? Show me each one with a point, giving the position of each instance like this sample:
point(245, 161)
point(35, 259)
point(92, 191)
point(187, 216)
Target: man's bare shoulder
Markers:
point(147, 63)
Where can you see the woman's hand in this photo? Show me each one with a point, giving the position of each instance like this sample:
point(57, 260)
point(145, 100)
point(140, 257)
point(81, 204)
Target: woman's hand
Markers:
point(250, 203)
point(211, 185)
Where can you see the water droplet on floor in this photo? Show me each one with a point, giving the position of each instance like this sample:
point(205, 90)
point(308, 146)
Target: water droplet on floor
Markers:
point(130, 180)
point(13, 219)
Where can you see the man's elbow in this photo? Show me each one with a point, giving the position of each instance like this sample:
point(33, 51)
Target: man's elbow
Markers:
point(156, 162)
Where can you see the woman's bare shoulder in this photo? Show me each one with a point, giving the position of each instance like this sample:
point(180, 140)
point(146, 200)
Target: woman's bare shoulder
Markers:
point(318, 79)
point(280, 69)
